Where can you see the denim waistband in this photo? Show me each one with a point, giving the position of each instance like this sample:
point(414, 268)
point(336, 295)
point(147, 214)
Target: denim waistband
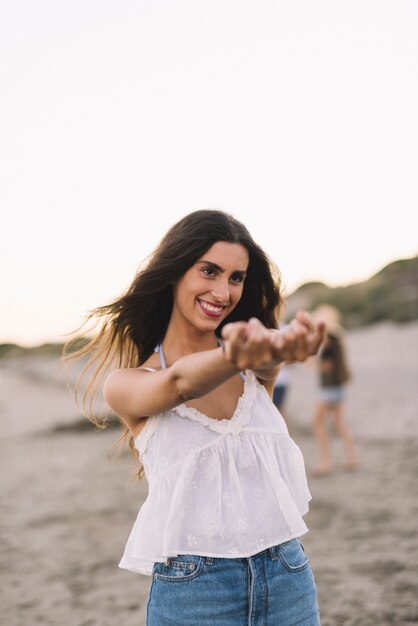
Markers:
point(271, 553)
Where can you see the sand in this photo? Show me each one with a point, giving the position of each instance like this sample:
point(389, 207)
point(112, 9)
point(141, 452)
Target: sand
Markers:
point(67, 509)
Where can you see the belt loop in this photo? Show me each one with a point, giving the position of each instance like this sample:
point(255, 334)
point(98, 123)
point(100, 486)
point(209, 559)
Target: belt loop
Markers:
point(208, 560)
point(273, 553)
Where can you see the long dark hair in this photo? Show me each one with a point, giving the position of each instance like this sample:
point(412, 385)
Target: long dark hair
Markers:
point(334, 353)
point(133, 324)
point(146, 308)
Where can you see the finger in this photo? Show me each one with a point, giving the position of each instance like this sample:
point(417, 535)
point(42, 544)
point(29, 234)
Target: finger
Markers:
point(295, 341)
point(317, 337)
point(234, 338)
point(256, 333)
point(257, 349)
point(231, 329)
point(301, 342)
point(304, 318)
point(287, 343)
point(308, 341)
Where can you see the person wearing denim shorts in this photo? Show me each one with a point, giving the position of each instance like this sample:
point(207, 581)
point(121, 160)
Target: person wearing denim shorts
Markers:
point(197, 351)
point(333, 376)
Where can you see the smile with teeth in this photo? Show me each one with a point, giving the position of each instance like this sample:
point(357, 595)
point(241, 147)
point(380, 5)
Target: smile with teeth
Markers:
point(210, 307)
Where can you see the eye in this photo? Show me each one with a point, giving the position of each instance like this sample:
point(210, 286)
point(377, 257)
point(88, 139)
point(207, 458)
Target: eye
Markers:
point(237, 277)
point(210, 272)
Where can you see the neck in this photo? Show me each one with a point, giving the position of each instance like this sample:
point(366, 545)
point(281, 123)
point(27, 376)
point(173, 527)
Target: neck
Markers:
point(177, 344)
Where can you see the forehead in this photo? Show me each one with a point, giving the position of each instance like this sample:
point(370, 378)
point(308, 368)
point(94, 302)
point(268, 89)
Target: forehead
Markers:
point(227, 255)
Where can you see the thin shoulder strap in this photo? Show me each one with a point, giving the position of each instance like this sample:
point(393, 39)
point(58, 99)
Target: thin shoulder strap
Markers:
point(159, 349)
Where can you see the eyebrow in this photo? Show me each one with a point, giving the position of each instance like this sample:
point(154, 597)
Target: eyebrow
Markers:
point(219, 268)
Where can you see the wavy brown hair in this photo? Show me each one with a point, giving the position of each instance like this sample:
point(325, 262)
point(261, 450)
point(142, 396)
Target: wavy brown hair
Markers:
point(333, 352)
point(134, 323)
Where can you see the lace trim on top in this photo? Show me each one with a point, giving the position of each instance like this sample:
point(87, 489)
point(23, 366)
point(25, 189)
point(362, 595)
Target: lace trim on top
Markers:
point(240, 418)
point(142, 439)
point(233, 425)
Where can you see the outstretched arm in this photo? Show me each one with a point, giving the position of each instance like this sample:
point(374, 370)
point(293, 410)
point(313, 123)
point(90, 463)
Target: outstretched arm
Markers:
point(134, 393)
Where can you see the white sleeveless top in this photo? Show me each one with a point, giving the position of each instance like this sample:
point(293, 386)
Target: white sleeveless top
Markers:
point(219, 488)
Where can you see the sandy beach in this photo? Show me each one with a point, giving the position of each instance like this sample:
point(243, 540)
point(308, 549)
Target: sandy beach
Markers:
point(67, 507)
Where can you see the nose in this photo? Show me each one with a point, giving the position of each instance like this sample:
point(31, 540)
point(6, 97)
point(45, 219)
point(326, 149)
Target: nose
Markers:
point(220, 290)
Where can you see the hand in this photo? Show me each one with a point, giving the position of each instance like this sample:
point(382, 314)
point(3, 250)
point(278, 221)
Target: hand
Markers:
point(252, 345)
point(300, 339)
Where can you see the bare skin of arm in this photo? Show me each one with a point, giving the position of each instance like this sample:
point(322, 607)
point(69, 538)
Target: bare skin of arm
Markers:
point(134, 393)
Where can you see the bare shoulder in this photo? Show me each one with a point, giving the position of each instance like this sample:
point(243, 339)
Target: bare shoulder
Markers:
point(138, 392)
point(118, 382)
point(117, 389)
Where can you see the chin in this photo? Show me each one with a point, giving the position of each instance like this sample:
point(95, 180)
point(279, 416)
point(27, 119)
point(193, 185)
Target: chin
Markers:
point(209, 325)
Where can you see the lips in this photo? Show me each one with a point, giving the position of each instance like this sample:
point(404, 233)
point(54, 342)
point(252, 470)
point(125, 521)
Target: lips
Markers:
point(211, 310)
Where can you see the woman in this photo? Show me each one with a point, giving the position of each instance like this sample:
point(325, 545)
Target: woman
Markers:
point(333, 376)
point(196, 353)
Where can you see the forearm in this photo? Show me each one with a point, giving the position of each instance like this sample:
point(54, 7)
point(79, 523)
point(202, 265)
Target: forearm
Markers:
point(197, 374)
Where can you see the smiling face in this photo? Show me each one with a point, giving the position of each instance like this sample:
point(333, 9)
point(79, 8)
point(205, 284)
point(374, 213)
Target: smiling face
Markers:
point(211, 288)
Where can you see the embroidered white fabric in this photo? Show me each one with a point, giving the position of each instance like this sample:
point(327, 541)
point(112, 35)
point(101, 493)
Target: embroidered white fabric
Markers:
point(221, 488)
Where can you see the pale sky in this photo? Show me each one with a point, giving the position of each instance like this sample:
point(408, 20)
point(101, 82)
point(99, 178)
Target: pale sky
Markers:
point(118, 118)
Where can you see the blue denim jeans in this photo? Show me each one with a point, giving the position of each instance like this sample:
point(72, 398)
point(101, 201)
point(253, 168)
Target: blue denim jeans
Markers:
point(272, 588)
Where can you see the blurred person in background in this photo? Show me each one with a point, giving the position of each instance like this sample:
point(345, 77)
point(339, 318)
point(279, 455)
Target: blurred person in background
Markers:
point(280, 390)
point(333, 376)
point(281, 384)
